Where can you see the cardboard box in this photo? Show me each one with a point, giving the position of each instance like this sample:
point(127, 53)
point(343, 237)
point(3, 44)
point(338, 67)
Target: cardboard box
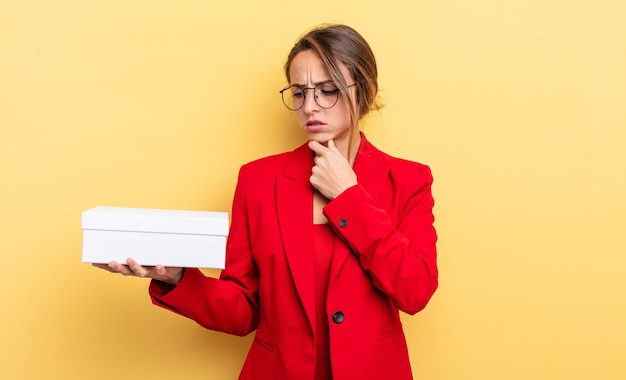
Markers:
point(173, 238)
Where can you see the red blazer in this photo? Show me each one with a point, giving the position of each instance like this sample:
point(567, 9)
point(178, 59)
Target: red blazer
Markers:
point(384, 261)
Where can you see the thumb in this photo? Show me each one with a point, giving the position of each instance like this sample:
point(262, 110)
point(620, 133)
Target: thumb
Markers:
point(331, 145)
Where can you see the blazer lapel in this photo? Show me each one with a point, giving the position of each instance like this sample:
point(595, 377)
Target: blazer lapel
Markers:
point(372, 173)
point(294, 199)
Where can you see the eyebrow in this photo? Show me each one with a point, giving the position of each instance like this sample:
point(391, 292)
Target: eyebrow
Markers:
point(315, 83)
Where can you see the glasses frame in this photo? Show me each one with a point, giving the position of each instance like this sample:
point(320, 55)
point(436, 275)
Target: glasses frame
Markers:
point(304, 92)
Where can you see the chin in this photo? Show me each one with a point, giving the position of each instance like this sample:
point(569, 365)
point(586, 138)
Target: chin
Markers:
point(319, 137)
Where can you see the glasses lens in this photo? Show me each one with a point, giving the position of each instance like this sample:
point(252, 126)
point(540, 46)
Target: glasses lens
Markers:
point(326, 95)
point(293, 97)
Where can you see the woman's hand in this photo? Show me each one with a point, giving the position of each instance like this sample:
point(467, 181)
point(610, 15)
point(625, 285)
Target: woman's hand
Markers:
point(332, 173)
point(170, 275)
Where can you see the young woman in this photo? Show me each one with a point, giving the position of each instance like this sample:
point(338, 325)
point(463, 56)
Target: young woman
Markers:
point(327, 243)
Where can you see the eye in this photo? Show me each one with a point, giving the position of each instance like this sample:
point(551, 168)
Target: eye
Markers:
point(328, 89)
point(297, 92)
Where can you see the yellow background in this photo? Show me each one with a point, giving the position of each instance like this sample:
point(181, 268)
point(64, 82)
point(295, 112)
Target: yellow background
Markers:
point(519, 107)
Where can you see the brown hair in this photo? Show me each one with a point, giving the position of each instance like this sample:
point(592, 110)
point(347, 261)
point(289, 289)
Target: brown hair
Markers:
point(340, 44)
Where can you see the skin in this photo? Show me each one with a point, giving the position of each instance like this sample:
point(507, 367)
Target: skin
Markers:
point(327, 129)
point(170, 275)
point(329, 133)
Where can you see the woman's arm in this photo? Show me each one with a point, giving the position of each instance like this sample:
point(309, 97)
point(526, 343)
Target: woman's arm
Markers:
point(399, 256)
point(230, 303)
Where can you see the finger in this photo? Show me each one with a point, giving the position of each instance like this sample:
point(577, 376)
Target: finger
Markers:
point(159, 269)
point(331, 145)
point(317, 147)
point(136, 268)
point(111, 268)
point(116, 267)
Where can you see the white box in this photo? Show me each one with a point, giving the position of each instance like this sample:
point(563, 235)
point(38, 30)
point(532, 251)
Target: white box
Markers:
point(173, 238)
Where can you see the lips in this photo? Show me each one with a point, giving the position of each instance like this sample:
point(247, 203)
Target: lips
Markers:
point(314, 125)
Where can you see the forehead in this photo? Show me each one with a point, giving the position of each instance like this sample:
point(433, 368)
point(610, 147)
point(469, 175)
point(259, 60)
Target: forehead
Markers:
point(307, 66)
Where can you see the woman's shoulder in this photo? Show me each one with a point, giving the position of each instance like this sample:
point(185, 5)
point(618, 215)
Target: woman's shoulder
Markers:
point(410, 173)
point(404, 163)
point(401, 165)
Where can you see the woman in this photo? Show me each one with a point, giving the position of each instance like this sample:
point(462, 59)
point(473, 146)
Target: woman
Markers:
point(327, 242)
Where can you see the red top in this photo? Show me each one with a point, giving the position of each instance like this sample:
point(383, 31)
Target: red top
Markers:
point(324, 239)
point(384, 255)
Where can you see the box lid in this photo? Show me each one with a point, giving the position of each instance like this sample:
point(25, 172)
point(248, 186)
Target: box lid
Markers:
point(155, 220)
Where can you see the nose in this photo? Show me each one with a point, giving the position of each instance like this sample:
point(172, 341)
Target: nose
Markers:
point(310, 104)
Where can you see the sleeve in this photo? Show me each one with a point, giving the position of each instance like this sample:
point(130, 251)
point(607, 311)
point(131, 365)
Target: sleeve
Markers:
point(230, 303)
point(399, 256)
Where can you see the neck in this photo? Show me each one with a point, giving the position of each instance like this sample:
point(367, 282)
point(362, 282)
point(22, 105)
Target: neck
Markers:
point(351, 147)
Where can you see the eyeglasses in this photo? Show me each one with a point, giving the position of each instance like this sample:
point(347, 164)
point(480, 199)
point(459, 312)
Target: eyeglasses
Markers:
point(325, 94)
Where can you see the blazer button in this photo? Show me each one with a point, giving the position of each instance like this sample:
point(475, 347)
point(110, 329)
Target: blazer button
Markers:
point(338, 317)
point(343, 222)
